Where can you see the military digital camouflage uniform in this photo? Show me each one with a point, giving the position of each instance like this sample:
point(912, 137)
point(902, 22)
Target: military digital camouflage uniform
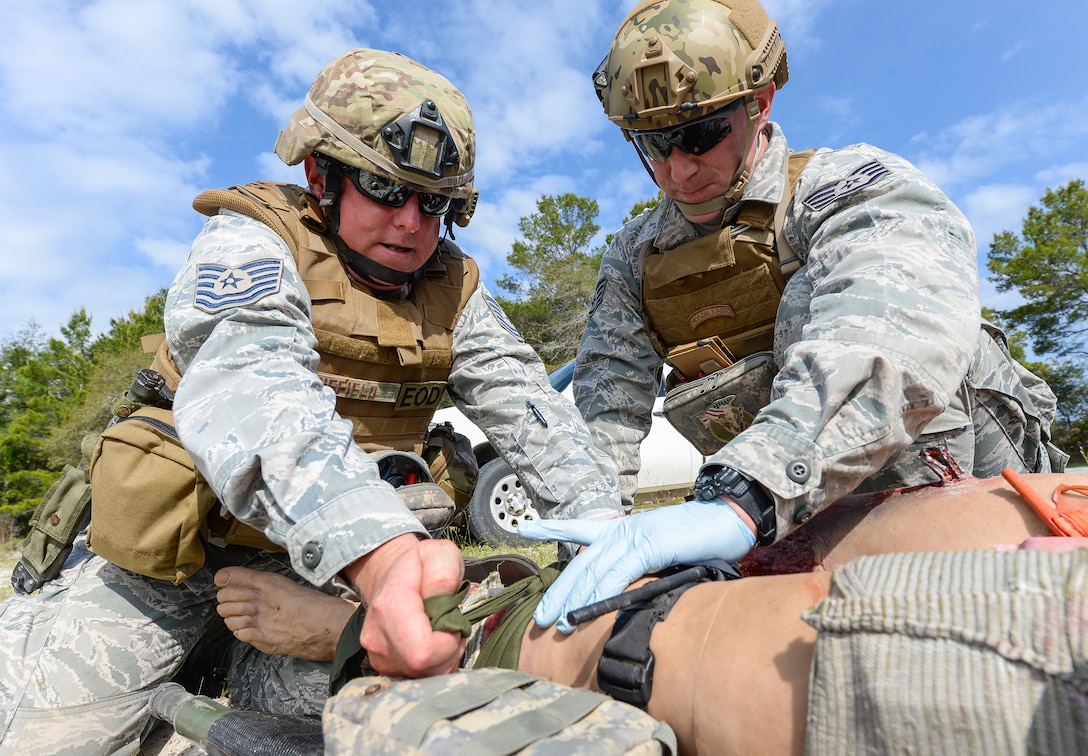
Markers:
point(877, 341)
point(83, 656)
point(487, 711)
point(255, 417)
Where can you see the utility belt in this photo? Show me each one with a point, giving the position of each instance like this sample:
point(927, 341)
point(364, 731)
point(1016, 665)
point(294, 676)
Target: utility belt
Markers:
point(152, 511)
point(711, 411)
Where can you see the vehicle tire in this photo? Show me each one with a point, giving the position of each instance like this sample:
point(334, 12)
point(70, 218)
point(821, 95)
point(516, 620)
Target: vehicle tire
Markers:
point(499, 506)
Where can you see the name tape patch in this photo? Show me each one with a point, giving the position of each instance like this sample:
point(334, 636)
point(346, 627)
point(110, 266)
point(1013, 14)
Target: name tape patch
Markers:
point(404, 396)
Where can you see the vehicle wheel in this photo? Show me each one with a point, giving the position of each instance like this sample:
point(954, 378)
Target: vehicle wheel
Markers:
point(499, 506)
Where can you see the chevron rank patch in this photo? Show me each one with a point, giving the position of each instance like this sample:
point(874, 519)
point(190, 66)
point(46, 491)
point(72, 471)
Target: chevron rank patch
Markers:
point(598, 296)
point(860, 178)
point(219, 287)
point(500, 316)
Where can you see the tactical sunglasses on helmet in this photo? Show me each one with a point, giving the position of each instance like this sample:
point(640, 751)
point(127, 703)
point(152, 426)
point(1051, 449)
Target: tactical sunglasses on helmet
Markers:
point(388, 192)
point(694, 137)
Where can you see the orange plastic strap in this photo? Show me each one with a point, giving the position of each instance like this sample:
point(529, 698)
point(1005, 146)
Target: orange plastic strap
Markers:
point(1073, 507)
point(1068, 517)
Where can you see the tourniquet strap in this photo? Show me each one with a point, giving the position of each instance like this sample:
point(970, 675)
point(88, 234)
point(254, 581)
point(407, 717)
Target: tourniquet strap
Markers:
point(625, 670)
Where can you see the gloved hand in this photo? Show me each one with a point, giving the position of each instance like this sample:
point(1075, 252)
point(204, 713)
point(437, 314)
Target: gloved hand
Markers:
point(623, 550)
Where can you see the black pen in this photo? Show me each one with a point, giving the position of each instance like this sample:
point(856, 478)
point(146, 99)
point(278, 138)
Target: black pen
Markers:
point(539, 415)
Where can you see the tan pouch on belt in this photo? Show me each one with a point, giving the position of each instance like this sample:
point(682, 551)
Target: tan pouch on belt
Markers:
point(148, 502)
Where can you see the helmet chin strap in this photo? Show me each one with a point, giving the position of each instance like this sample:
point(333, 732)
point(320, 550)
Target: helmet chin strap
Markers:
point(368, 271)
point(740, 177)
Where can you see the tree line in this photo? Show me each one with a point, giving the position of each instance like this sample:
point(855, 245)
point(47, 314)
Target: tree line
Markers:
point(55, 391)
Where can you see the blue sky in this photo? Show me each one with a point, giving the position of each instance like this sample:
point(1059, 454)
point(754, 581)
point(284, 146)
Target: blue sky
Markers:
point(115, 113)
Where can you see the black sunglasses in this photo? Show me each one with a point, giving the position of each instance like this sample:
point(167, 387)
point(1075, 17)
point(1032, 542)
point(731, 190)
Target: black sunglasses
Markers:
point(694, 137)
point(388, 192)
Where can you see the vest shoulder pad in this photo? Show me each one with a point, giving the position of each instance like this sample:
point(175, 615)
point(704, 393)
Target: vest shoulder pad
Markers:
point(280, 206)
point(796, 163)
point(471, 271)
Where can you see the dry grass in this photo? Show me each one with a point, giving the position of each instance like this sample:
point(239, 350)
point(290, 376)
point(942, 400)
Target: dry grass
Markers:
point(541, 553)
point(8, 558)
point(545, 553)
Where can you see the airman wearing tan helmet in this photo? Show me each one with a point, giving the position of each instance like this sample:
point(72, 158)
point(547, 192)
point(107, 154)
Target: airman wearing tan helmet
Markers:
point(309, 339)
point(820, 308)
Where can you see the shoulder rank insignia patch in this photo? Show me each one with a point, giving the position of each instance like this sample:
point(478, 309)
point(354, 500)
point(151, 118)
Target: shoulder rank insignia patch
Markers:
point(861, 177)
point(598, 296)
point(500, 316)
point(219, 287)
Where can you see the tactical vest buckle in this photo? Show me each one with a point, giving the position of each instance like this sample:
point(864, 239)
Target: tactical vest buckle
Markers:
point(625, 670)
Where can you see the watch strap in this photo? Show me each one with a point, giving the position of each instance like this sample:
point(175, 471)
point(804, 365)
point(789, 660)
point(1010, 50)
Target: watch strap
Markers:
point(720, 480)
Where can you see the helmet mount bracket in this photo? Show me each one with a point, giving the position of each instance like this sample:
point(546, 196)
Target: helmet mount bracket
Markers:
point(421, 142)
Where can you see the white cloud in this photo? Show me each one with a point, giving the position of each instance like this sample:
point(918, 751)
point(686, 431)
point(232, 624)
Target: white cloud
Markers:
point(105, 135)
point(1059, 175)
point(996, 165)
point(982, 146)
point(117, 112)
point(271, 168)
point(797, 21)
point(1012, 52)
point(993, 208)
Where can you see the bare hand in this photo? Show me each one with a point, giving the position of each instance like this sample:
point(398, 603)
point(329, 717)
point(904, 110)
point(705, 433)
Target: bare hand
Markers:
point(393, 580)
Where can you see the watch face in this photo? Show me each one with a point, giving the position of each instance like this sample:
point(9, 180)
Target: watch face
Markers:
point(704, 487)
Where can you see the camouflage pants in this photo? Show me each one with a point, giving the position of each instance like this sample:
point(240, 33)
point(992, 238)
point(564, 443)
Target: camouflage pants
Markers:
point(80, 658)
point(946, 653)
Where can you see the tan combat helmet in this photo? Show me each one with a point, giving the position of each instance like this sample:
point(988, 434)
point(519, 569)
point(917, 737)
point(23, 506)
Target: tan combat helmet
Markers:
point(674, 61)
point(386, 114)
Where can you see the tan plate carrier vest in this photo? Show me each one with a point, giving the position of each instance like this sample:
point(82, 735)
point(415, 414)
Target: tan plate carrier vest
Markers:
point(387, 361)
point(727, 284)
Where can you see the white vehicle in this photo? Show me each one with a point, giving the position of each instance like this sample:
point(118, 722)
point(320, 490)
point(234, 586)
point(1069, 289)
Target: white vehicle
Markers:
point(499, 504)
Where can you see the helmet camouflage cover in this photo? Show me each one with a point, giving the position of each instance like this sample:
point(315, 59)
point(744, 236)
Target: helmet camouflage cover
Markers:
point(673, 61)
point(386, 114)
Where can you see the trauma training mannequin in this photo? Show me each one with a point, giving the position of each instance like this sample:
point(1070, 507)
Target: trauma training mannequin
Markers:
point(957, 539)
point(720, 701)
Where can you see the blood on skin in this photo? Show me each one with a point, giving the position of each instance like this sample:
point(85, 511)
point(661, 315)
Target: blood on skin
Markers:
point(803, 550)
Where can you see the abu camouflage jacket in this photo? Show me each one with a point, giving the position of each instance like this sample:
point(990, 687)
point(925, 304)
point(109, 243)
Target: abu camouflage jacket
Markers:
point(269, 365)
point(386, 361)
point(878, 343)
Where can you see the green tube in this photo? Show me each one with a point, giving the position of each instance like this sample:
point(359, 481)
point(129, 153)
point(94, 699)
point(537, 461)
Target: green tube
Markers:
point(192, 716)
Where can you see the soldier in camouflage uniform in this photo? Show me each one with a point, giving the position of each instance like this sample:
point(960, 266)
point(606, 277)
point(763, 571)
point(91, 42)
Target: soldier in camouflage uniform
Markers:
point(821, 308)
point(306, 327)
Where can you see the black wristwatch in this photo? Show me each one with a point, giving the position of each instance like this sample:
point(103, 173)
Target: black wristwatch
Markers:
point(719, 480)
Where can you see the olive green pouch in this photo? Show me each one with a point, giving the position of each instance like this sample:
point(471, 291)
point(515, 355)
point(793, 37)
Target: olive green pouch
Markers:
point(452, 462)
point(150, 504)
point(61, 514)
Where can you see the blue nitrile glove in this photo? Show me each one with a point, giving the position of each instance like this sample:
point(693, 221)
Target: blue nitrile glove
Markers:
point(624, 549)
